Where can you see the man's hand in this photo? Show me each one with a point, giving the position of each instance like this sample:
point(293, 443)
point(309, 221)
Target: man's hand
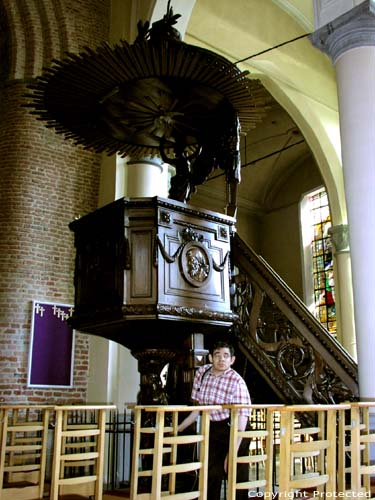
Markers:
point(226, 465)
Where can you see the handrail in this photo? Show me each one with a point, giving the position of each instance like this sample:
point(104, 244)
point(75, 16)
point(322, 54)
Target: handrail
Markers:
point(308, 458)
point(289, 347)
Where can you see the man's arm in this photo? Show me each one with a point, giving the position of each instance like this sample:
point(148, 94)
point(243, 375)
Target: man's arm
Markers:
point(192, 417)
point(242, 423)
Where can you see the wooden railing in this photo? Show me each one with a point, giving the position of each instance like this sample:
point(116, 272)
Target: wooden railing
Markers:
point(23, 451)
point(290, 349)
point(161, 426)
point(290, 459)
point(356, 447)
point(262, 437)
point(329, 458)
point(78, 450)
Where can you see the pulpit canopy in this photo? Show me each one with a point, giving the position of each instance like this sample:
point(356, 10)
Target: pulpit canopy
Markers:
point(157, 96)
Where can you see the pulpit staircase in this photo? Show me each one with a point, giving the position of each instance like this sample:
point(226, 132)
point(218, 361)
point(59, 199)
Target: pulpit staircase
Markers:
point(285, 354)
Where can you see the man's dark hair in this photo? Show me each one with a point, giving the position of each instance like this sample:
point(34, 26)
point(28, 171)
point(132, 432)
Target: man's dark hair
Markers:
point(220, 345)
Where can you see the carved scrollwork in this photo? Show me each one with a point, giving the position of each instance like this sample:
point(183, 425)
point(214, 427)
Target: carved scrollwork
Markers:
point(138, 309)
point(220, 267)
point(169, 258)
point(285, 349)
point(295, 360)
point(195, 313)
point(186, 236)
point(165, 216)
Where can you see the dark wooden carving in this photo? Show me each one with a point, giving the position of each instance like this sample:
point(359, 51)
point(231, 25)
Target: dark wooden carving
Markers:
point(150, 365)
point(152, 262)
point(298, 358)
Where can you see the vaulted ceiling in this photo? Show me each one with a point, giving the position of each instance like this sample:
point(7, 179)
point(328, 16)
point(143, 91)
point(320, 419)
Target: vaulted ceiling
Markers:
point(269, 38)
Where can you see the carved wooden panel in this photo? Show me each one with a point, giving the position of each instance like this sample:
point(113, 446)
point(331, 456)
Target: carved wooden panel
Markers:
point(140, 276)
point(194, 264)
point(99, 260)
point(151, 260)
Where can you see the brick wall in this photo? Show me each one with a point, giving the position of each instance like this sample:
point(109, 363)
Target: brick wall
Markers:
point(46, 182)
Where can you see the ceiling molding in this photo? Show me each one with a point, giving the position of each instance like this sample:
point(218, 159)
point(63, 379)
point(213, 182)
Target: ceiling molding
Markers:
point(293, 11)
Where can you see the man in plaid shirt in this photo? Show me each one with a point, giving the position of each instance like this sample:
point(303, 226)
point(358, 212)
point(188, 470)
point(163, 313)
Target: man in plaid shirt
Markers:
point(216, 384)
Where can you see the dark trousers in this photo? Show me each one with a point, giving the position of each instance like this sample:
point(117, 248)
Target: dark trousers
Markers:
point(219, 447)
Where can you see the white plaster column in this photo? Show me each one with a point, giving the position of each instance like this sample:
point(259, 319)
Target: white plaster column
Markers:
point(343, 288)
point(350, 42)
point(111, 363)
point(114, 373)
point(145, 177)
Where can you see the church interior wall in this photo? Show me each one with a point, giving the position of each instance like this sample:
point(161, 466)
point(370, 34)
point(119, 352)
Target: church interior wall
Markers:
point(279, 231)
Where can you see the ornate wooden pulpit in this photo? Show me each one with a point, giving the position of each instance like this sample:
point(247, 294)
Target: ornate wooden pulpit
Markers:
point(146, 260)
point(150, 274)
point(153, 274)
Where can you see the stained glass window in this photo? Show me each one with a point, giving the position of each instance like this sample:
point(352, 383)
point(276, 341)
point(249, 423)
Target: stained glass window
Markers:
point(322, 260)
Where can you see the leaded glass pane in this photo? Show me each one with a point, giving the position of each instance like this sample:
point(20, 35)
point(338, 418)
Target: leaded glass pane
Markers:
point(321, 246)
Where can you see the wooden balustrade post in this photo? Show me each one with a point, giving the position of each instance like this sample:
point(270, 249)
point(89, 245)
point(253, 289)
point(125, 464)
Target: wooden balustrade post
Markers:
point(172, 476)
point(269, 469)
point(232, 455)
point(156, 483)
point(285, 466)
point(355, 453)
point(135, 457)
point(341, 449)
point(203, 454)
point(331, 457)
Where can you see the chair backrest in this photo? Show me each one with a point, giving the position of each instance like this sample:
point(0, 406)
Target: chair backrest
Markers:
point(23, 451)
point(356, 450)
point(260, 453)
point(156, 459)
point(308, 458)
point(78, 454)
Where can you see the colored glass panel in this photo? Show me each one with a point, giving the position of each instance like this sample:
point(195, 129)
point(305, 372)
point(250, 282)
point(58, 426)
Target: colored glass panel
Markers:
point(321, 247)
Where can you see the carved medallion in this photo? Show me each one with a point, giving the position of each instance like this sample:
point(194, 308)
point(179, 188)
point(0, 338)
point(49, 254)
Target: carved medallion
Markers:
point(196, 263)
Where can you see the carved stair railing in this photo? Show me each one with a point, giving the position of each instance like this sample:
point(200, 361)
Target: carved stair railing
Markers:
point(297, 357)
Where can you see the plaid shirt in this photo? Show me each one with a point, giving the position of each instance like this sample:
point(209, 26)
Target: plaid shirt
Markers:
point(226, 388)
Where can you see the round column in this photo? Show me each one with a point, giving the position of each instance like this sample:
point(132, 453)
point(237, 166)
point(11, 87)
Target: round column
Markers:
point(343, 288)
point(146, 177)
point(350, 42)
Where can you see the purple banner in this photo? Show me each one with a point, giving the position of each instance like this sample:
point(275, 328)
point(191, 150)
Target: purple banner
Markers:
point(52, 346)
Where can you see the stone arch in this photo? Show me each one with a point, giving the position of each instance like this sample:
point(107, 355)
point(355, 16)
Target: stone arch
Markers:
point(37, 32)
point(321, 134)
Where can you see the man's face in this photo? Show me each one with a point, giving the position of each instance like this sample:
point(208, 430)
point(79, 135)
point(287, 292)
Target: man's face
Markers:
point(221, 360)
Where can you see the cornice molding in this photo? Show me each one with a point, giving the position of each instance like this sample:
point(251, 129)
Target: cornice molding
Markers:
point(354, 29)
point(340, 238)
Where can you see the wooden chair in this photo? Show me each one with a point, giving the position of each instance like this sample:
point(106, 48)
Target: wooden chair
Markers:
point(261, 451)
point(24, 433)
point(78, 452)
point(163, 453)
point(319, 447)
point(356, 450)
